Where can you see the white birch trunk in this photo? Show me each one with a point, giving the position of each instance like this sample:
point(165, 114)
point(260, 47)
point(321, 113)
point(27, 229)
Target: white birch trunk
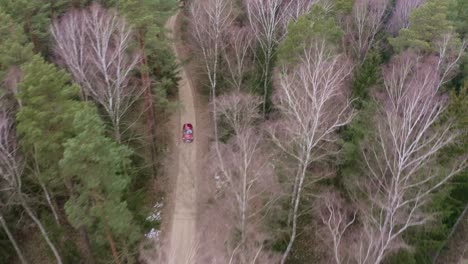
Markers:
point(13, 241)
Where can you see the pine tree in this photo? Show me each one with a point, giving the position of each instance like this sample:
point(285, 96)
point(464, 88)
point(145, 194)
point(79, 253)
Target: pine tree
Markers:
point(148, 18)
point(458, 14)
point(318, 25)
point(35, 17)
point(147, 14)
point(14, 46)
point(95, 164)
point(428, 23)
point(44, 119)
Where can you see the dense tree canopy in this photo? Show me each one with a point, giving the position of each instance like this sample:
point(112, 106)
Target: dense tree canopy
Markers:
point(318, 25)
point(95, 165)
point(428, 24)
point(47, 106)
point(54, 125)
point(14, 46)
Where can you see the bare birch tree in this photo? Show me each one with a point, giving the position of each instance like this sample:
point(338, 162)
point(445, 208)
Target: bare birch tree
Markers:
point(400, 14)
point(265, 19)
point(239, 111)
point(365, 22)
point(337, 217)
point(7, 200)
point(401, 178)
point(246, 174)
point(210, 20)
point(238, 53)
point(12, 240)
point(11, 171)
point(296, 8)
point(400, 162)
point(313, 103)
point(10, 82)
point(95, 45)
point(269, 20)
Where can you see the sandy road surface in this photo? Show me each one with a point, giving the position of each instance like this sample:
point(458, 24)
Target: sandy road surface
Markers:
point(181, 238)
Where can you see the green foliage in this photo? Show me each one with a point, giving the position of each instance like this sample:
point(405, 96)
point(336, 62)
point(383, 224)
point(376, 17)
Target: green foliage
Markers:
point(458, 110)
point(96, 166)
point(350, 161)
point(367, 75)
point(458, 15)
point(427, 24)
point(147, 14)
point(14, 47)
point(66, 138)
point(457, 198)
point(448, 203)
point(402, 256)
point(61, 237)
point(253, 82)
point(428, 239)
point(47, 106)
point(6, 248)
point(35, 16)
point(148, 17)
point(163, 68)
point(318, 25)
point(343, 6)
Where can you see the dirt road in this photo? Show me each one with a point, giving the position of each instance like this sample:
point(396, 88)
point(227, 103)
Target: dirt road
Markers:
point(181, 237)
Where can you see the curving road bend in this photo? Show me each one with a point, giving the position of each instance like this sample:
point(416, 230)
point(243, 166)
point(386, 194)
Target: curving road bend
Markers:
point(182, 244)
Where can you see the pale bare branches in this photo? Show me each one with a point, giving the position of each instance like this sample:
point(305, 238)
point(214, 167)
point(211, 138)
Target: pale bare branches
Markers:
point(408, 139)
point(71, 47)
point(11, 171)
point(210, 20)
point(313, 103)
point(94, 44)
point(239, 110)
point(11, 163)
point(246, 174)
point(266, 20)
point(11, 167)
point(450, 51)
point(400, 14)
point(367, 19)
point(11, 80)
point(312, 97)
point(400, 158)
point(269, 19)
point(296, 8)
point(337, 218)
point(21, 257)
point(238, 53)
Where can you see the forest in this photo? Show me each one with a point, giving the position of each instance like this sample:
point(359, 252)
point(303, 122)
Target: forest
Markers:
point(326, 131)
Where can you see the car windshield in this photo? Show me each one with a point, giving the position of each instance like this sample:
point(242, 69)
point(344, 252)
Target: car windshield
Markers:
point(187, 131)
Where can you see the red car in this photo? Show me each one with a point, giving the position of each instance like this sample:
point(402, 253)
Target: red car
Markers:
point(187, 133)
